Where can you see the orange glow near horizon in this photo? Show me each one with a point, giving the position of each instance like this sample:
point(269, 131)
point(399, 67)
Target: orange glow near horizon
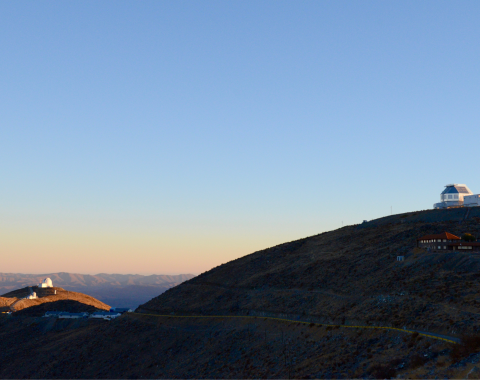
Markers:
point(43, 250)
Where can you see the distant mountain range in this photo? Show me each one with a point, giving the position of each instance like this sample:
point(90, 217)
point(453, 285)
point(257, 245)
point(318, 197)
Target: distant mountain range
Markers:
point(128, 290)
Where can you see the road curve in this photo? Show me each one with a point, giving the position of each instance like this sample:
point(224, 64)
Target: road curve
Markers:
point(445, 338)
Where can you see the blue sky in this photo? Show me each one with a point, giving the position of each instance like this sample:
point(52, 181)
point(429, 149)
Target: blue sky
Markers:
point(170, 137)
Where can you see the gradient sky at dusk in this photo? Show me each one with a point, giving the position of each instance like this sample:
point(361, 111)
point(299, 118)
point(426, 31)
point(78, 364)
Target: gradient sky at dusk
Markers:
point(170, 137)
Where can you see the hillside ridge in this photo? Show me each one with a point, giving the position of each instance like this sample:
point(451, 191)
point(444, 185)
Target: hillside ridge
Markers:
point(349, 274)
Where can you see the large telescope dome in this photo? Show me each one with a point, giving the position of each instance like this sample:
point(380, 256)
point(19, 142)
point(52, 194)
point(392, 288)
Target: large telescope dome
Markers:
point(453, 195)
point(47, 283)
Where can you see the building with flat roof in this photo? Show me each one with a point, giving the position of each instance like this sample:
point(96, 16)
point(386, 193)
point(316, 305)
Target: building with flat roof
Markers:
point(104, 315)
point(471, 200)
point(121, 310)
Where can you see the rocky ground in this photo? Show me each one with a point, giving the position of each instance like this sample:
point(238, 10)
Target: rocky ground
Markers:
point(138, 346)
point(348, 276)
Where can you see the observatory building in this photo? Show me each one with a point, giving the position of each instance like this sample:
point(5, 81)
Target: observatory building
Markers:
point(457, 195)
point(47, 283)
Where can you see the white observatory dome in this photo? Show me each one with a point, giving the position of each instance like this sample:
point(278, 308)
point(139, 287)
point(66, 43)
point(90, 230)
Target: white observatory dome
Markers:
point(453, 195)
point(47, 283)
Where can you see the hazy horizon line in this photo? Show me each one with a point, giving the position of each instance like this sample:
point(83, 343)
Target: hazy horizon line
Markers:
point(99, 273)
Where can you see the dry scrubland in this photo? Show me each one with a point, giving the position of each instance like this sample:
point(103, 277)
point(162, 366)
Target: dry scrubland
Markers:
point(137, 346)
point(346, 276)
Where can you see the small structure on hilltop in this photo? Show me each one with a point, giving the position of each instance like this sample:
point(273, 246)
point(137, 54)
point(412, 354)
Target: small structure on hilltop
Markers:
point(445, 242)
point(47, 283)
point(31, 296)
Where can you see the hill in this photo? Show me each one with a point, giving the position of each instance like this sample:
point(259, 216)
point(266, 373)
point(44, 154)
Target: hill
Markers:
point(349, 276)
point(123, 290)
point(48, 296)
point(137, 346)
point(70, 306)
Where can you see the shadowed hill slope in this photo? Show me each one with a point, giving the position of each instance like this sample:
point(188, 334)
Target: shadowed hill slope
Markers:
point(348, 275)
point(138, 346)
point(70, 306)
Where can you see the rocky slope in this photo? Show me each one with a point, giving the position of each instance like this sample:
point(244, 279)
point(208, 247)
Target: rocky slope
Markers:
point(136, 346)
point(348, 276)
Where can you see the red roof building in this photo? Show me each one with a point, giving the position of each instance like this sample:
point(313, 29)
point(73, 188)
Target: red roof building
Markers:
point(446, 242)
point(439, 237)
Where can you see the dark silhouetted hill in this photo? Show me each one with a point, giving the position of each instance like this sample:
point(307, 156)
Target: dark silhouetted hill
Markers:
point(348, 275)
point(70, 306)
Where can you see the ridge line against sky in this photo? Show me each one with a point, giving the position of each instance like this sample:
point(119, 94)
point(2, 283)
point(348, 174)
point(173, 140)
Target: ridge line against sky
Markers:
point(172, 137)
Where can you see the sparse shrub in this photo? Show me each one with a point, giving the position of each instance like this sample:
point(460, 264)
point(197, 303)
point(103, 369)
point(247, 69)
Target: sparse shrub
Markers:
point(469, 344)
point(382, 371)
point(417, 360)
point(468, 237)
point(395, 362)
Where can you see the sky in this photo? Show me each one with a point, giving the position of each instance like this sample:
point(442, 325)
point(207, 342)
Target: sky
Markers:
point(171, 137)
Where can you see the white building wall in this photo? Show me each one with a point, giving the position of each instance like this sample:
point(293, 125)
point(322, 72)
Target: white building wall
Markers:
point(471, 200)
